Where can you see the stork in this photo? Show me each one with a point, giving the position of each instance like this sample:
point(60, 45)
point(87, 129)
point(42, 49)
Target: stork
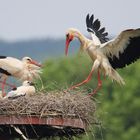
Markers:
point(107, 55)
point(25, 69)
point(27, 88)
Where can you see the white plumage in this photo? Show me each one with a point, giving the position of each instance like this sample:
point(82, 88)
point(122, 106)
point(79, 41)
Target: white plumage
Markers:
point(27, 88)
point(25, 69)
point(106, 55)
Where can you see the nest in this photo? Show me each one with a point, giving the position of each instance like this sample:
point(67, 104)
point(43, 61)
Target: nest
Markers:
point(52, 104)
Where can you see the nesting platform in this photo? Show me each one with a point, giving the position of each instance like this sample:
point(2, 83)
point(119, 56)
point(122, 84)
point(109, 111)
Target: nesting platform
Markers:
point(46, 115)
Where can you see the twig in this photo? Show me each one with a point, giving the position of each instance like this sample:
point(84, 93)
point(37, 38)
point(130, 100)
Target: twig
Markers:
point(19, 132)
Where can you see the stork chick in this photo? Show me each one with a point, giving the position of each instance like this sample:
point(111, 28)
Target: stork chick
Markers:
point(27, 88)
point(106, 55)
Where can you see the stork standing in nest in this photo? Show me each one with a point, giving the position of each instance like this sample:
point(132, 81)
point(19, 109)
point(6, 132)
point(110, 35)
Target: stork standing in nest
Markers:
point(106, 55)
point(25, 69)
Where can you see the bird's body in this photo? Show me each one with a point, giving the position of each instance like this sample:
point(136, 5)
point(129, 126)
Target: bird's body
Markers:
point(97, 55)
point(107, 55)
point(26, 89)
point(17, 68)
point(25, 69)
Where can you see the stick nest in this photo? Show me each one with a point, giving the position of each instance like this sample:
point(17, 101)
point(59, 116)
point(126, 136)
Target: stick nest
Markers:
point(56, 103)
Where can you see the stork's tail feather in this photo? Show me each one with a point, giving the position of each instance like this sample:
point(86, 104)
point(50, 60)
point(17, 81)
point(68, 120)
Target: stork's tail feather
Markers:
point(115, 76)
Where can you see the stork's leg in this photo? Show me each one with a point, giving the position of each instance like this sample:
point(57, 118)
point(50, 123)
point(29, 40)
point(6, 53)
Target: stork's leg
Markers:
point(10, 85)
point(3, 83)
point(98, 86)
point(94, 67)
point(3, 86)
point(85, 81)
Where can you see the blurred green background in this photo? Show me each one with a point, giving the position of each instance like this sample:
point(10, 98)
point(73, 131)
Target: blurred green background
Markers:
point(118, 107)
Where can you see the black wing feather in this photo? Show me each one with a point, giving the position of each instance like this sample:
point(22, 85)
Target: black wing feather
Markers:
point(105, 34)
point(93, 26)
point(4, 72)
point(1, 69)
point(102, 30)
point(89, 20)
point(2, 57)
point(130, 54)
point(96, 25)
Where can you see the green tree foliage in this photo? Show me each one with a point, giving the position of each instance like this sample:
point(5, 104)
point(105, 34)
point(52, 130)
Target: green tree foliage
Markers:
point(117, 106)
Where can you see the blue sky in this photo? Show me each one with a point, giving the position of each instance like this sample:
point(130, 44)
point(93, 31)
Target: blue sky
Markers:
point(27, 19)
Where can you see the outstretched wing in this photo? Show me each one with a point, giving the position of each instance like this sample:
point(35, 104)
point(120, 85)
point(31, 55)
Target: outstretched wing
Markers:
point(124, 49)
point(93, 26)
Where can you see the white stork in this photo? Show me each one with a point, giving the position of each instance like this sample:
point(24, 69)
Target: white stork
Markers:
point(106, 55)
point(27, 88)
point(25, 69)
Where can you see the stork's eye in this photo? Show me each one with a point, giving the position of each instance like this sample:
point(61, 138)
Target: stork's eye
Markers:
point(67, 35)
point(28, 59)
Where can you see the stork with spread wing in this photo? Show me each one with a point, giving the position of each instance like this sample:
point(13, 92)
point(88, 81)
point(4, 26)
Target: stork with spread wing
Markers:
point(107, 55)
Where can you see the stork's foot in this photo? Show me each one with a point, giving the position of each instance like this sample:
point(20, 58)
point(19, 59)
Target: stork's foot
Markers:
point(95, 90)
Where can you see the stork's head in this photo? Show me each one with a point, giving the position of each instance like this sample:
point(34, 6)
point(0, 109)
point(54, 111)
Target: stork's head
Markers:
point(28, 60)
point(70, 34)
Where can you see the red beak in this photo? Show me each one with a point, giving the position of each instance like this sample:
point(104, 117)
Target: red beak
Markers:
point(35, 63)
point(67, 46)
point(68, 40)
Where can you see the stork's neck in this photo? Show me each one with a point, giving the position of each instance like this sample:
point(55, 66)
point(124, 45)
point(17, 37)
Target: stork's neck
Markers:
point(83, 40)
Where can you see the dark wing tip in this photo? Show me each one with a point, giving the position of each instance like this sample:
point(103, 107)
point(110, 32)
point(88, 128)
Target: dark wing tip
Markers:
point(94, 27)
point(129, 55)
point(89, 20)
point(3, 57)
